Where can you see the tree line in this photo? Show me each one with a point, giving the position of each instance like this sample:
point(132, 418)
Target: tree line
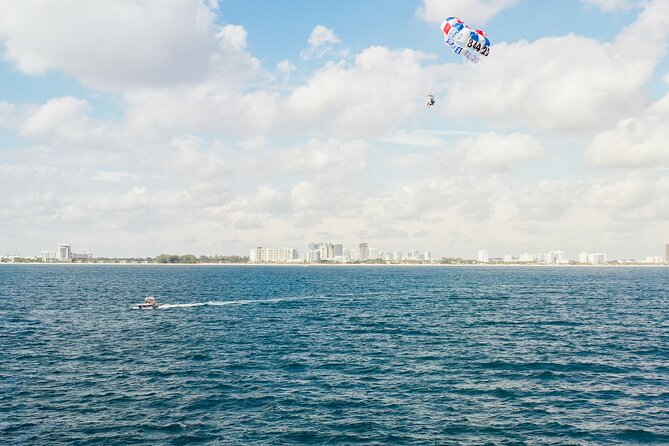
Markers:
point(191, 259)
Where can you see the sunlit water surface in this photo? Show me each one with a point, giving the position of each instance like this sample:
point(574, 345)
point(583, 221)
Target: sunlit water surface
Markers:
point(336, 355)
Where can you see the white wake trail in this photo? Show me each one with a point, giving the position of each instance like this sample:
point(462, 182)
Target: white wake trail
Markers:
point(229, 302)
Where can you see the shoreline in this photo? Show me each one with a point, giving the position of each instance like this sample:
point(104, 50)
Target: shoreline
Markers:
point(337, 265)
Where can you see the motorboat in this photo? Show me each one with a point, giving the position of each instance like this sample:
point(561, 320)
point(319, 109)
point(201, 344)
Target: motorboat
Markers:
point(148, 304)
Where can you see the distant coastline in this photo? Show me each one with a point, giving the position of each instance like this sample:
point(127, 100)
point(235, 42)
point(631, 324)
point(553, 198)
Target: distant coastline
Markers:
point(338, 265)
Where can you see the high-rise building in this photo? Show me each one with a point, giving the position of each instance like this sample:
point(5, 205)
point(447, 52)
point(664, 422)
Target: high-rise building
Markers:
point(561, 258)
point(65, 253)
point(666, 252)
point(597, 258)
point(313, 256)
point(327, 251)
point(556, 258)
point(364, 250)
point(338, 249)
point(483, 256)
point(526, 257)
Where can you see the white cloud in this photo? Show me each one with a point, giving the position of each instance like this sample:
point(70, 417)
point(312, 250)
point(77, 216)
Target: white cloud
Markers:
point(285, 67)
point(189, 156)
point(321, 36)
point(134, 199)
point(249, 222)
point(473, 12)
point(562, 83)
point(122, 44)
point(419, 138)
point(416, 200)
point(306, 196)
point(642, 141)
point(326, 161)
point(632, 196)
point(68, 135)
point(382, 233)
point(612, 5)
point(6, 113)
point(376, 92)
point(232, 37)
point(173, 170)
point(645, 40)
point(493, 152)
point(64, 119)
point(547, 200)
point(322, 42)
point(269, 199)
point(115, 177)
point(209, 106)
point(567, 83)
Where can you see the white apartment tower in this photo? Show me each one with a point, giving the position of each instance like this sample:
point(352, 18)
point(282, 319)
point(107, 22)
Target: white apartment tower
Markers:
point(484, 256)
point(65, 253)
point(48, 256)
point(597, 258)
point(273, 255)
point(313, 256)
point(327, 251)
point(526, 257)
point(364, 250)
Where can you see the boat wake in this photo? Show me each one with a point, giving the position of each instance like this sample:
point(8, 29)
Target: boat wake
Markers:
point(222, 303)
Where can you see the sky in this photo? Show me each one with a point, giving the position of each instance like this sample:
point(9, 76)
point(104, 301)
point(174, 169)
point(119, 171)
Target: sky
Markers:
point(135, 128)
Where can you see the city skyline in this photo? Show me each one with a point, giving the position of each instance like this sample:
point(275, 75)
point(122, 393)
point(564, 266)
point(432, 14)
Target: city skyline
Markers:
point(135, 128)
point(338, 251)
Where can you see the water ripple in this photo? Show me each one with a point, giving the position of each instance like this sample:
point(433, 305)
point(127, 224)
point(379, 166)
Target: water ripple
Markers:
point(381, 356)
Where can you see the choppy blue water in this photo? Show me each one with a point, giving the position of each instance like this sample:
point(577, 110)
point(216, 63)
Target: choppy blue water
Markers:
point(336, 355)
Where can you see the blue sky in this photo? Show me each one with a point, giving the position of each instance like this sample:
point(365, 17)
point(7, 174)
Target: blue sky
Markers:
point(135, 128)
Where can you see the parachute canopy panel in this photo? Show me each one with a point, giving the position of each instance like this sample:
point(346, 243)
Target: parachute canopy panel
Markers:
point(473, 45)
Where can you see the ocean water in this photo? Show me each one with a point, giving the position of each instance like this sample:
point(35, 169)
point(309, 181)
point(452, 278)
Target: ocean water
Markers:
point(334, 355)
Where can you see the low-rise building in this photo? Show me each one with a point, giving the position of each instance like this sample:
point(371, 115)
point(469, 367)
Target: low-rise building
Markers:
point(273, 255)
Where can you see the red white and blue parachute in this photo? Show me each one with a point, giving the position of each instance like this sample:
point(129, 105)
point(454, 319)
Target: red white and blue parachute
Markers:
point(473, 45)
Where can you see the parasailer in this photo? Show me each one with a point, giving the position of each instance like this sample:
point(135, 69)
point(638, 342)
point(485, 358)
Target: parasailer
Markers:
point(430, 99)
point(473, 45)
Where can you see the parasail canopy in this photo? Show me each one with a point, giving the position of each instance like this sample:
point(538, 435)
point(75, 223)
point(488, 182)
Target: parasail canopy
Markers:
point(471, 44)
